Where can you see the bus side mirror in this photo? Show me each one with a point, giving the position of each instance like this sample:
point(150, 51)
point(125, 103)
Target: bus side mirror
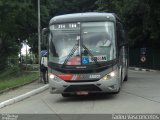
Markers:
point(45, 32)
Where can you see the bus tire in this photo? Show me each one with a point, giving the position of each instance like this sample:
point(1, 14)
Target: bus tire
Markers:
point(117, 92)
point(66, 95)
point(120, 85)
point(119, 89)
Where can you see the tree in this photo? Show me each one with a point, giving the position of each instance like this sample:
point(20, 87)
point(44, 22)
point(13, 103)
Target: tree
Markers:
point(7, 31)
point(141, 19)
point(17, 22)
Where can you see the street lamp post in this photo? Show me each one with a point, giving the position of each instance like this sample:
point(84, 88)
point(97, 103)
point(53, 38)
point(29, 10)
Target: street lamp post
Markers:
point(39, 38)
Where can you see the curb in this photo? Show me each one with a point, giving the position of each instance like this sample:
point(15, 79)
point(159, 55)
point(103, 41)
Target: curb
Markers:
point(23, 96)
point(141, 69)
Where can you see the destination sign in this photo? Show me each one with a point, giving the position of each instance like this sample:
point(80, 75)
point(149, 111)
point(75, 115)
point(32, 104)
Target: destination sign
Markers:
point(66, 26)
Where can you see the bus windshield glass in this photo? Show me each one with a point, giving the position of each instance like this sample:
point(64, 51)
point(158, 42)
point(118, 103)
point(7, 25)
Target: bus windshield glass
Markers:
point(82, 43)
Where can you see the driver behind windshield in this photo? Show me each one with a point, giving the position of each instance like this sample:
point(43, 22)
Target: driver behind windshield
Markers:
point(104, 44)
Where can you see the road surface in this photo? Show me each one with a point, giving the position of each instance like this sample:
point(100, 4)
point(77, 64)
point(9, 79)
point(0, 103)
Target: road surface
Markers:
point(141, 94)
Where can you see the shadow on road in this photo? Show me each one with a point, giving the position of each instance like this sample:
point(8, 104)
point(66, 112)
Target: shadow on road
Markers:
point(90, 97)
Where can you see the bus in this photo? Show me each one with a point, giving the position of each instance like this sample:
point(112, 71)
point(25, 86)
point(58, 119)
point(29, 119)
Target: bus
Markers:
point(87, 53)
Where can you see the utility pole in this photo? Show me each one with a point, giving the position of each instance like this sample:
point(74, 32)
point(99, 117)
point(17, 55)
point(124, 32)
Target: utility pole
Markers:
point(39, 38)
point(20, 55)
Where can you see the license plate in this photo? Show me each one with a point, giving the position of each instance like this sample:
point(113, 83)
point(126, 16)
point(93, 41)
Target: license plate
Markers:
point(82, 93)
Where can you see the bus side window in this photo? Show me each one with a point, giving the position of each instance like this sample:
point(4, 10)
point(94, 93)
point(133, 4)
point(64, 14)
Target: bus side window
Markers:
point(121, 34)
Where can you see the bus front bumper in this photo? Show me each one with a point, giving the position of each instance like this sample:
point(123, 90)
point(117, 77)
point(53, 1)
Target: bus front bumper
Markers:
point(100, 86)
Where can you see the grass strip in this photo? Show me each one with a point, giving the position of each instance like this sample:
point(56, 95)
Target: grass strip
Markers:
point(13, 80)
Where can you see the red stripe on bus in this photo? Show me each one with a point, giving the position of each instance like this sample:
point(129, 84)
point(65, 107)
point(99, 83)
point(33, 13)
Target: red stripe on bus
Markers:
point(65, 76)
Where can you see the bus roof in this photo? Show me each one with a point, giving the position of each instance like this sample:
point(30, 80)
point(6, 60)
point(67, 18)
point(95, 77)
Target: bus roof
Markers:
point(84, 17)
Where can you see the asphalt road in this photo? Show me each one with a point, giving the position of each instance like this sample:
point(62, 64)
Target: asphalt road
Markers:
point(141, 94)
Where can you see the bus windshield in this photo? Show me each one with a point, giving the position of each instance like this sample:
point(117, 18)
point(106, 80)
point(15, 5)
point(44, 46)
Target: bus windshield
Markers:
point(82, 43)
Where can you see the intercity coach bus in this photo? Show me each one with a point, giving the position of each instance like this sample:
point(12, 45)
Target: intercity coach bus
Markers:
point(87, 53)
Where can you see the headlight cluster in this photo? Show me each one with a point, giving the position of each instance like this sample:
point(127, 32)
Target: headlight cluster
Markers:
point(110, 75)
point(53, 77)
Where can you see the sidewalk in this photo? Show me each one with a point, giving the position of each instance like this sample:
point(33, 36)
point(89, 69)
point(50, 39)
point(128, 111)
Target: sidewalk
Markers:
point(21, 90)
point(142, 69)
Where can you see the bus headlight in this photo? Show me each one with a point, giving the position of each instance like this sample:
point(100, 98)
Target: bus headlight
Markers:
point(110, 75)
point(54, 77)
point(51, 76)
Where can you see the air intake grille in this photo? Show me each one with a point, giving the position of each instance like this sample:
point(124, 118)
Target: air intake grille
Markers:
point(75, 88)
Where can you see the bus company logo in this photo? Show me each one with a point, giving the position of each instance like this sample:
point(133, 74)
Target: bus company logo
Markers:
point(82, 77)
point(94, 76)
point(98, 58)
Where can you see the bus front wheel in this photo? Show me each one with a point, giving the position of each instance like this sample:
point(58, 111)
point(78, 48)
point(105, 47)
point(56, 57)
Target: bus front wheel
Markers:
point(120, 85)
point(66, 95)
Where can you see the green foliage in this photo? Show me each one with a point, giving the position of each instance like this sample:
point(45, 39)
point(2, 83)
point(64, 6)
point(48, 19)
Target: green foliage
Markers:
point(13, 71)
point(57, 7)
point(9, 80)
point(141, 18)
point(18, 20)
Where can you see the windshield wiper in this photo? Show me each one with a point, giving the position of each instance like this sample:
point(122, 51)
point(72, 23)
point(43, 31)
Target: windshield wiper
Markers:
point(71, 53)
point(92, 57)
